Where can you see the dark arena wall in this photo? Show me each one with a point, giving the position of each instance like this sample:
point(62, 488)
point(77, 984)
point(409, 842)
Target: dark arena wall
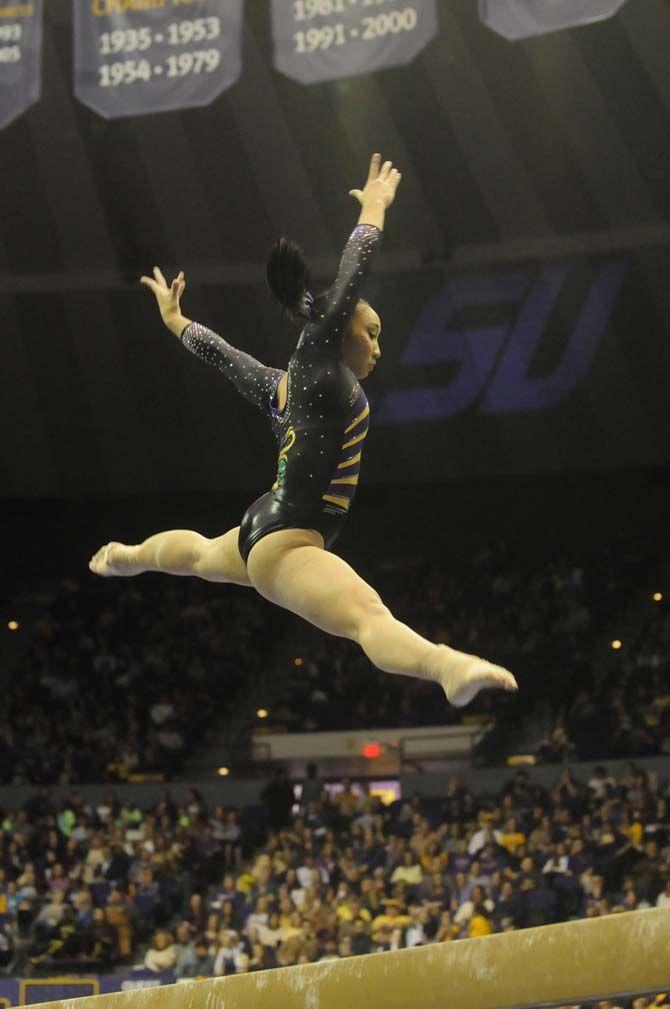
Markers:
point(501, 370)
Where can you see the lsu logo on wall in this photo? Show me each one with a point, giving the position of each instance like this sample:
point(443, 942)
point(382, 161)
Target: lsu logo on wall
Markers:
point(493, 359)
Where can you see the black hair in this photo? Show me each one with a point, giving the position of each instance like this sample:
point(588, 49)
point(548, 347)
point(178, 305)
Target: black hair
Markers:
point(288, 278)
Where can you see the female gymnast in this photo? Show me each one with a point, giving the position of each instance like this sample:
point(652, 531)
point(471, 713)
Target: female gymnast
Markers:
point(320, 416)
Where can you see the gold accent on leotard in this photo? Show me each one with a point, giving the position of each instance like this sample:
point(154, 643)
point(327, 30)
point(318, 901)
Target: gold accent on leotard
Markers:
point(350, 462)
point(355, 441)
point(343, 501)
point(362, 415)
point(346, 479)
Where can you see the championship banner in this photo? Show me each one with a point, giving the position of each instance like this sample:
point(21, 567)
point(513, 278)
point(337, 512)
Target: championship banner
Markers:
point(135, 57)
point(20, 58)
point(522, 19)
point(324, 40)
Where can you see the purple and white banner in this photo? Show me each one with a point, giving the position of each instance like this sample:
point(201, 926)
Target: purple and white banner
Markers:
point(20, 58)
point(137, 57)
point(522, 19)
point(323, 40)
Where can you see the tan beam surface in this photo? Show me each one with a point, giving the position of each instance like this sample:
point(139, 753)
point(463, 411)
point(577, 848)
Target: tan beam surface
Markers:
point(567, 963)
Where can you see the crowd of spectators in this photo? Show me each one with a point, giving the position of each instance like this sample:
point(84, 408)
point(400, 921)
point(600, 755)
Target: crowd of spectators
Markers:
point(217, 891)
point(544, 617)
point(623, 712)
point(125, 676)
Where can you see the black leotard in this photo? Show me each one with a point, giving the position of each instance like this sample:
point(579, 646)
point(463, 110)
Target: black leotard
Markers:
point(320, 431)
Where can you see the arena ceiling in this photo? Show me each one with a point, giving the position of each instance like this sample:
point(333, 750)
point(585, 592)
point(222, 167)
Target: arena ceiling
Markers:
point(501, 145)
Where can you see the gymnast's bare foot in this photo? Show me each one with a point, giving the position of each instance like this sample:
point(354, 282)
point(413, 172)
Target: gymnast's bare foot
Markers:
point(462, 676)
point(115, 559)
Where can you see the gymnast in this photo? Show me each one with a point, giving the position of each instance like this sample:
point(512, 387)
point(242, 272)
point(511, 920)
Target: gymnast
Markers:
point(320, 416)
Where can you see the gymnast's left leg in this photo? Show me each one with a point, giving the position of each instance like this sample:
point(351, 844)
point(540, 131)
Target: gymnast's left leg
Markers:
point(290, 568)
point(176, 552)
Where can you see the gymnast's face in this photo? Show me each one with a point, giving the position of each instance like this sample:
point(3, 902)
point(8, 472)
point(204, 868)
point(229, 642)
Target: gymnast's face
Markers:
point(360, 346)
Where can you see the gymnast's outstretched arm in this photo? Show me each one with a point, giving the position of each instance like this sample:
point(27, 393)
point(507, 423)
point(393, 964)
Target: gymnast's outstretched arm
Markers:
point(253, 380)
point(323, 335)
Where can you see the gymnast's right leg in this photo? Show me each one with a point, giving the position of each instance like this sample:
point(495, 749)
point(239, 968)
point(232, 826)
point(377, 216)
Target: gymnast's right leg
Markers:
point(176, 552)
point(291, 568)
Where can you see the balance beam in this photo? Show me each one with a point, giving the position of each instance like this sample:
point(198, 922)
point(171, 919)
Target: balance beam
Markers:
point(577, 961)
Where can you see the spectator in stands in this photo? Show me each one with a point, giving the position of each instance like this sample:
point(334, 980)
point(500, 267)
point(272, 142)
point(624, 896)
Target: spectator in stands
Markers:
point(601, 783)
point(261, 957)
point(95, 856)
point(97, 940)
point(162, 711)
point(118, 916)
point(346, 802)
point(62, 943)
point(647, 871)
point(26, 881)
point(447, 928)
point(51, 915)
point(278, 797)
point(260, 915)
point(57, 879)
point(391, 919)
point(409, 871)
point(485, 835)
point(478, 904)
point(7, 945)
point(230, 956)
point(230, 835)
point(196, 915)
point(162, 954)
point(512, 838)
point(480, 922)
point(145, 901)
point(415, 934)
point(507, 906)
point(663, 899)
point(558, 862)
point(183, 940)
point(195, 960)
point(311, 787)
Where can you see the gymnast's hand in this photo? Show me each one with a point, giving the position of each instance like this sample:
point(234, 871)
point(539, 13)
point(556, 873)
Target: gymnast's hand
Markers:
point(167, 297)
point(381, 185)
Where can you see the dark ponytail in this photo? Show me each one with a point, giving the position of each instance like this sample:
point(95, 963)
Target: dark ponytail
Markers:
point(289, 278)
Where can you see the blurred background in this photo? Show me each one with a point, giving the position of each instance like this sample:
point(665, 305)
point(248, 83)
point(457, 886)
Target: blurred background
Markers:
point(159, 818)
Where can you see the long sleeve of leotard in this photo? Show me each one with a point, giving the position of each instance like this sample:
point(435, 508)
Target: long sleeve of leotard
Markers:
point(253, 380)
point(324, 334)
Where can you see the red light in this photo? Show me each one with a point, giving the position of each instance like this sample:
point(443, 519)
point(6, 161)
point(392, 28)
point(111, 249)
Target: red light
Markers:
point(371, 750)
